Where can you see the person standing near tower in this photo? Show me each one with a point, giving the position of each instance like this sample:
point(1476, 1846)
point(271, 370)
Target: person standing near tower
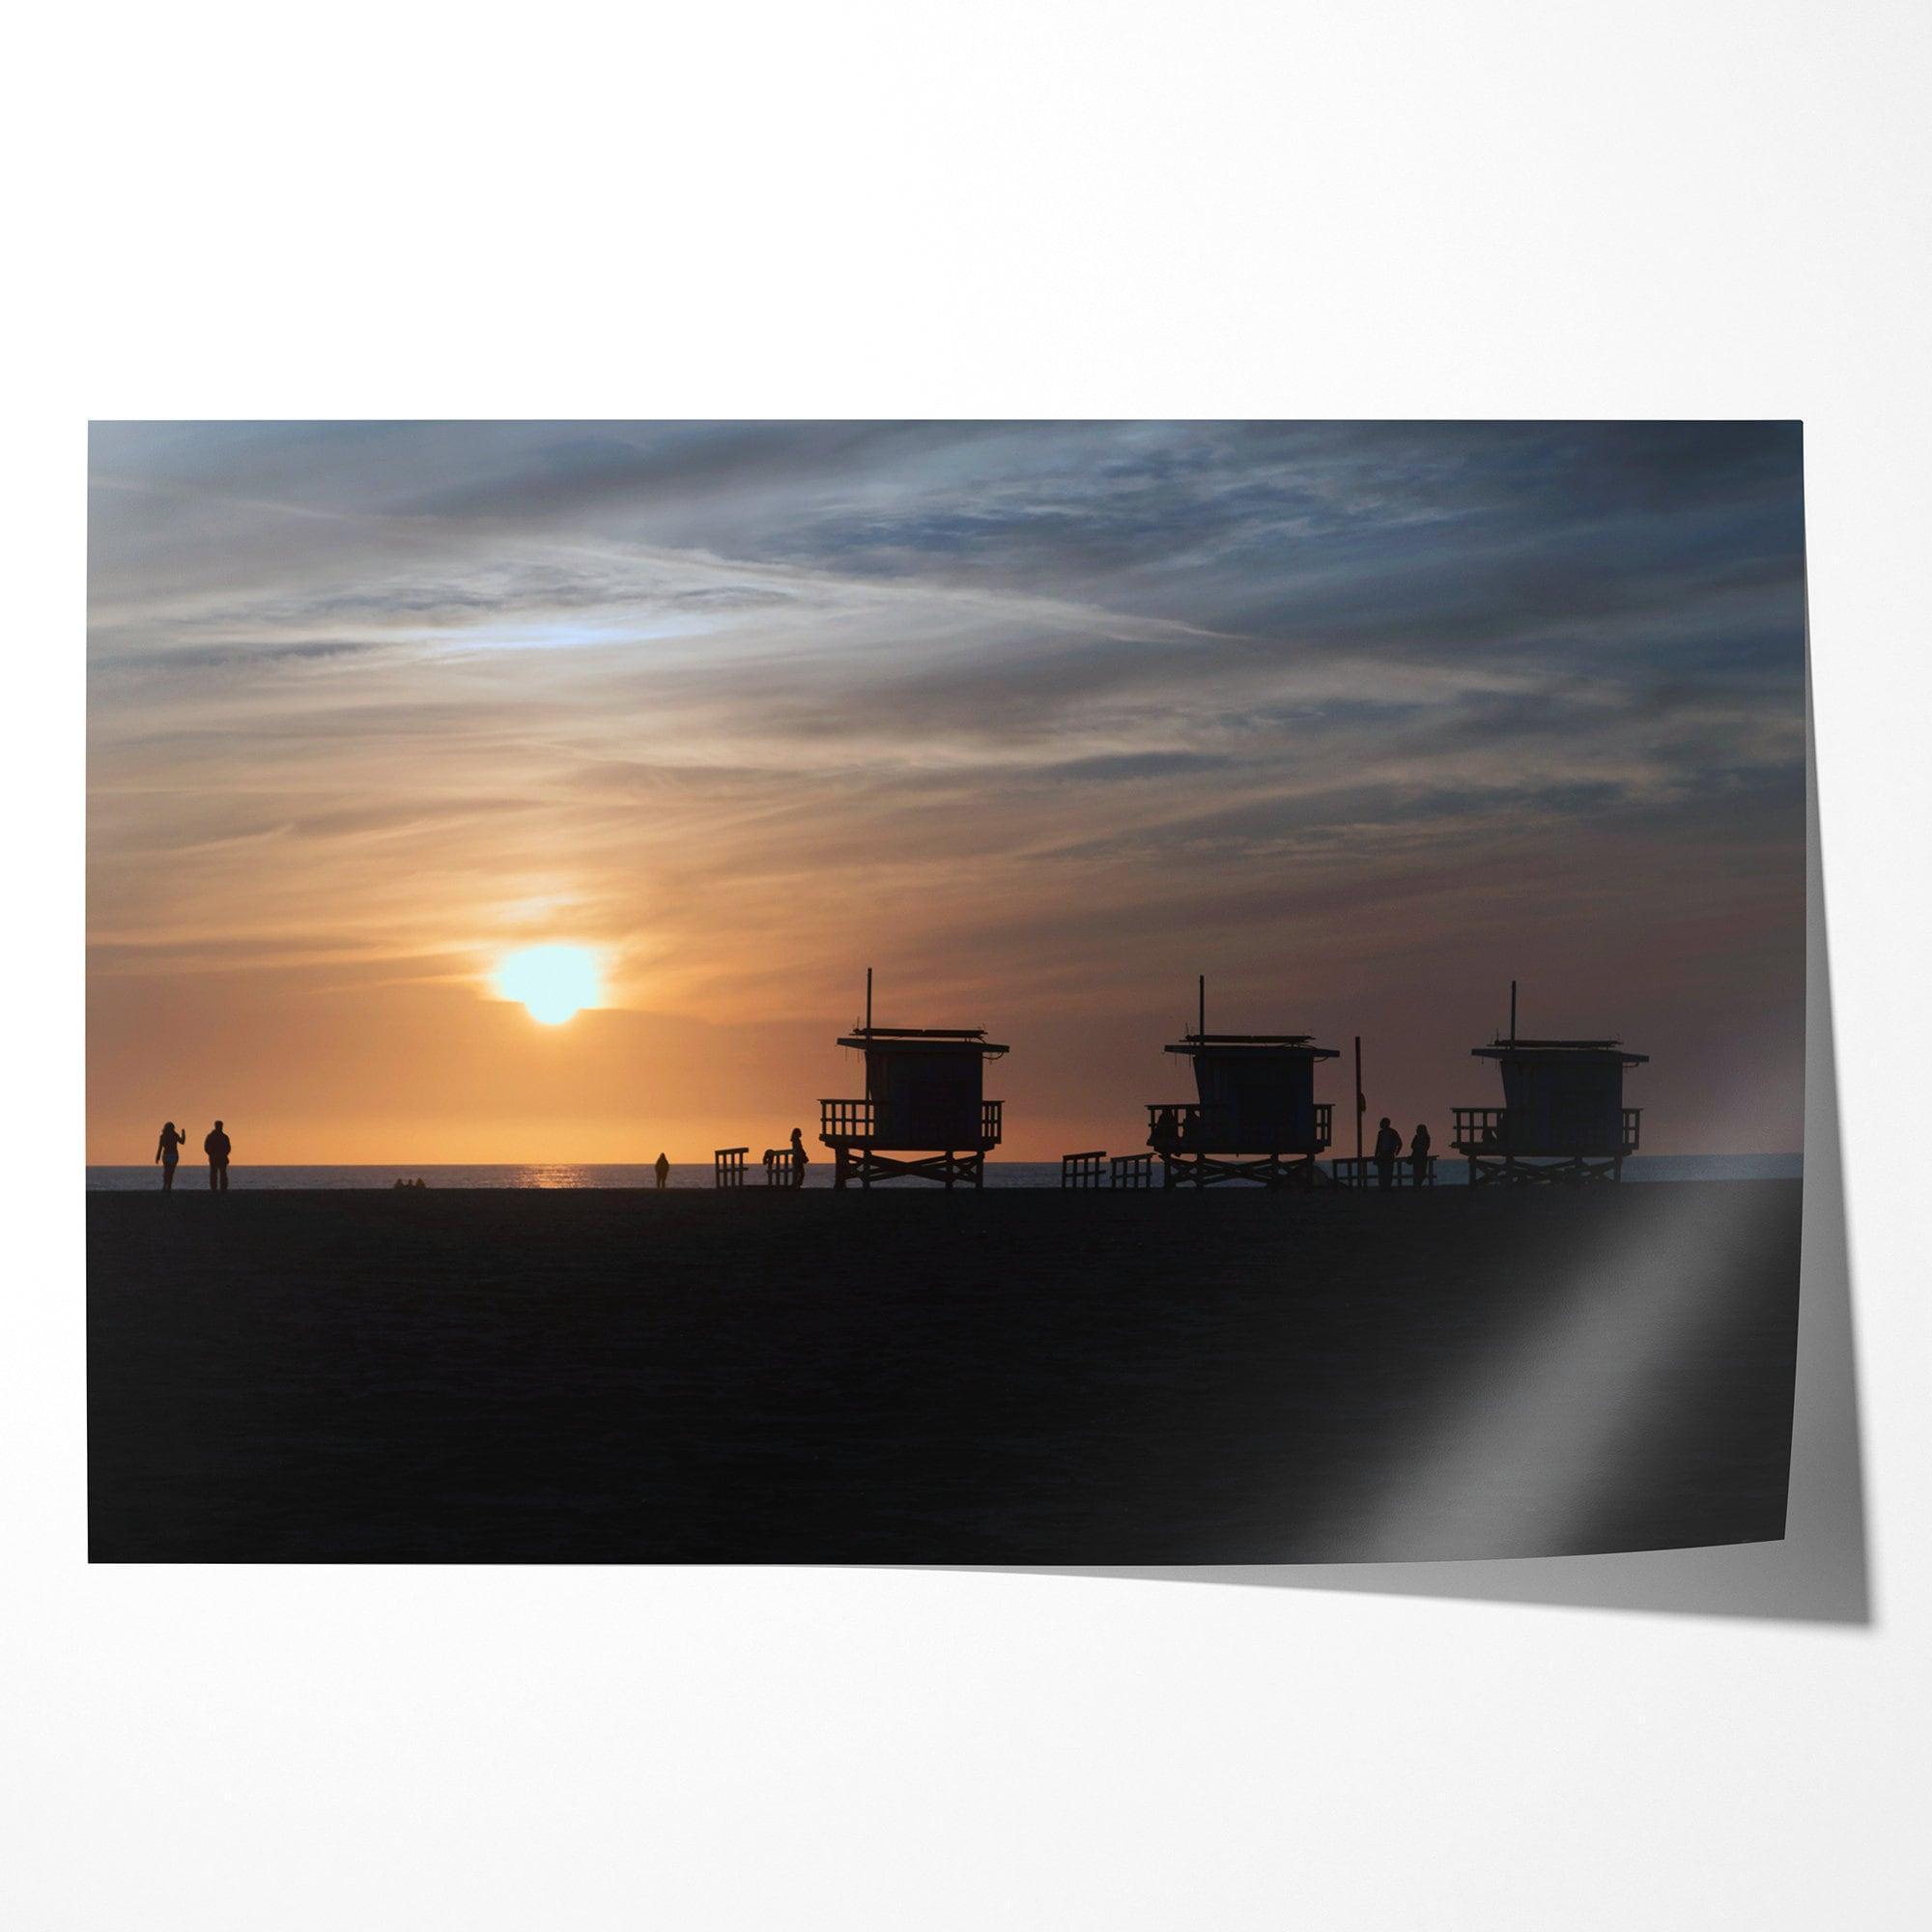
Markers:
point(663, 1169)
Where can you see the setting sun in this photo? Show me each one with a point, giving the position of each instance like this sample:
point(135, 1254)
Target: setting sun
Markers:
point(552, 981)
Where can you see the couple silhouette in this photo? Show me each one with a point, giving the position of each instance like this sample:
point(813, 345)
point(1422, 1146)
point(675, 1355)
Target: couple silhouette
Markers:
point(215, 1145)
point(1388, 1150)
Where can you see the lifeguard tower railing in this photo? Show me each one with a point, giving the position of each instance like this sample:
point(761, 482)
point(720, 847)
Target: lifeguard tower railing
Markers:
point(854, 1120)
point(728, 1167)
point(1487, 1129)
point(1183, 1123)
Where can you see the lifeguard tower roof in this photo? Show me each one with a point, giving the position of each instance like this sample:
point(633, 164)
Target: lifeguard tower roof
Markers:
point(950, 1040)
point(1296, 1042)
point(1505, 1049)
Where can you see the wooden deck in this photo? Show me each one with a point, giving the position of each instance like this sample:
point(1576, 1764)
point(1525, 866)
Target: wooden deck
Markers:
point(1500, 1157)
point(1195, 1149)
point(847, 1127)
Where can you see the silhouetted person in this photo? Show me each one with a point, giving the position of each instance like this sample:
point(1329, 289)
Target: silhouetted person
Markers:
point(1388, 1144)
point(1418, 1153)
point(799, 1157)
point(1166, 1128)
point(169, 1153)
point(218, 1146)
point(663, 1169)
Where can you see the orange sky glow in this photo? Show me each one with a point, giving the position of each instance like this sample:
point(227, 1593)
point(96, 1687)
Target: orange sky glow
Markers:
point(1039, 721)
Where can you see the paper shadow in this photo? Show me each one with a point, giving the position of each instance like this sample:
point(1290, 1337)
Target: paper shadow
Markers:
point(1819, 1573)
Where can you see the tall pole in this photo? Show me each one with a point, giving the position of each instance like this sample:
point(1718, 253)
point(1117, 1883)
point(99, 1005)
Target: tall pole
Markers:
point(868, 1053)
point(1201, 1020)
point(1512, 1013)
point(1362, 1102)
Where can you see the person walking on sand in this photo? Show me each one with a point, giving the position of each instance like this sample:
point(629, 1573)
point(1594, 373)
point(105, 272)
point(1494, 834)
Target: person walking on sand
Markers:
point(1388, 1144)
point(169, 1153)
point(799, 1157)
point(1418, 1153)
point(218, 1146)
point(663, 1169)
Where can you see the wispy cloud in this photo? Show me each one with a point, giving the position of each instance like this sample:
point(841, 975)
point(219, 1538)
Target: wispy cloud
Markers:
point(1043, 716)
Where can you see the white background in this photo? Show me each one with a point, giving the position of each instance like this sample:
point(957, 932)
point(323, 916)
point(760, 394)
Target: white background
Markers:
point(1109, 209)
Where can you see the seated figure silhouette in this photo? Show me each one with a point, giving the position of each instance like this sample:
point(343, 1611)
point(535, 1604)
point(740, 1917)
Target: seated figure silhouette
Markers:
point(1388, 1144)
point(799, 1157)
point(168, 1154)
point(1418, 1153)
point(218, 1146)
point(663, 1169)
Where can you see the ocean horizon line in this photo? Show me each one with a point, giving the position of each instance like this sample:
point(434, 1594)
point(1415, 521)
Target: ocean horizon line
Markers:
point(1451, 1171)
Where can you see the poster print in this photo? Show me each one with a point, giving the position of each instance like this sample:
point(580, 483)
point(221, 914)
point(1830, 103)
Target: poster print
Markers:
point(1099, 992)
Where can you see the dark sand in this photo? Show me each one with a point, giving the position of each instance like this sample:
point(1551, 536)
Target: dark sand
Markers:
point(917, 1378)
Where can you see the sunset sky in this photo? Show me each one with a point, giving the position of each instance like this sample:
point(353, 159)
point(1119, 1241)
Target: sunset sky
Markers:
point(1040, 721)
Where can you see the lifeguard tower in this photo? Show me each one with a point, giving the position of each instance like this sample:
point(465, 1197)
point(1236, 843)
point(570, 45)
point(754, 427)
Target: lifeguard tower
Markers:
point(1256, 1118)
point(925, 1116)
point(1563, 1118)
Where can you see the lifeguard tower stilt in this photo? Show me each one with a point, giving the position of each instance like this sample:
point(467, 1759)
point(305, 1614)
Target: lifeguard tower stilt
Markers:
point(1256, 1118)
point(925, 1116)
point(1563, 1120)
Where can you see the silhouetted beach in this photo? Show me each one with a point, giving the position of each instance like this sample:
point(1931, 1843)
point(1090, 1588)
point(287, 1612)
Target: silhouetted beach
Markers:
point(1020, 1377)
